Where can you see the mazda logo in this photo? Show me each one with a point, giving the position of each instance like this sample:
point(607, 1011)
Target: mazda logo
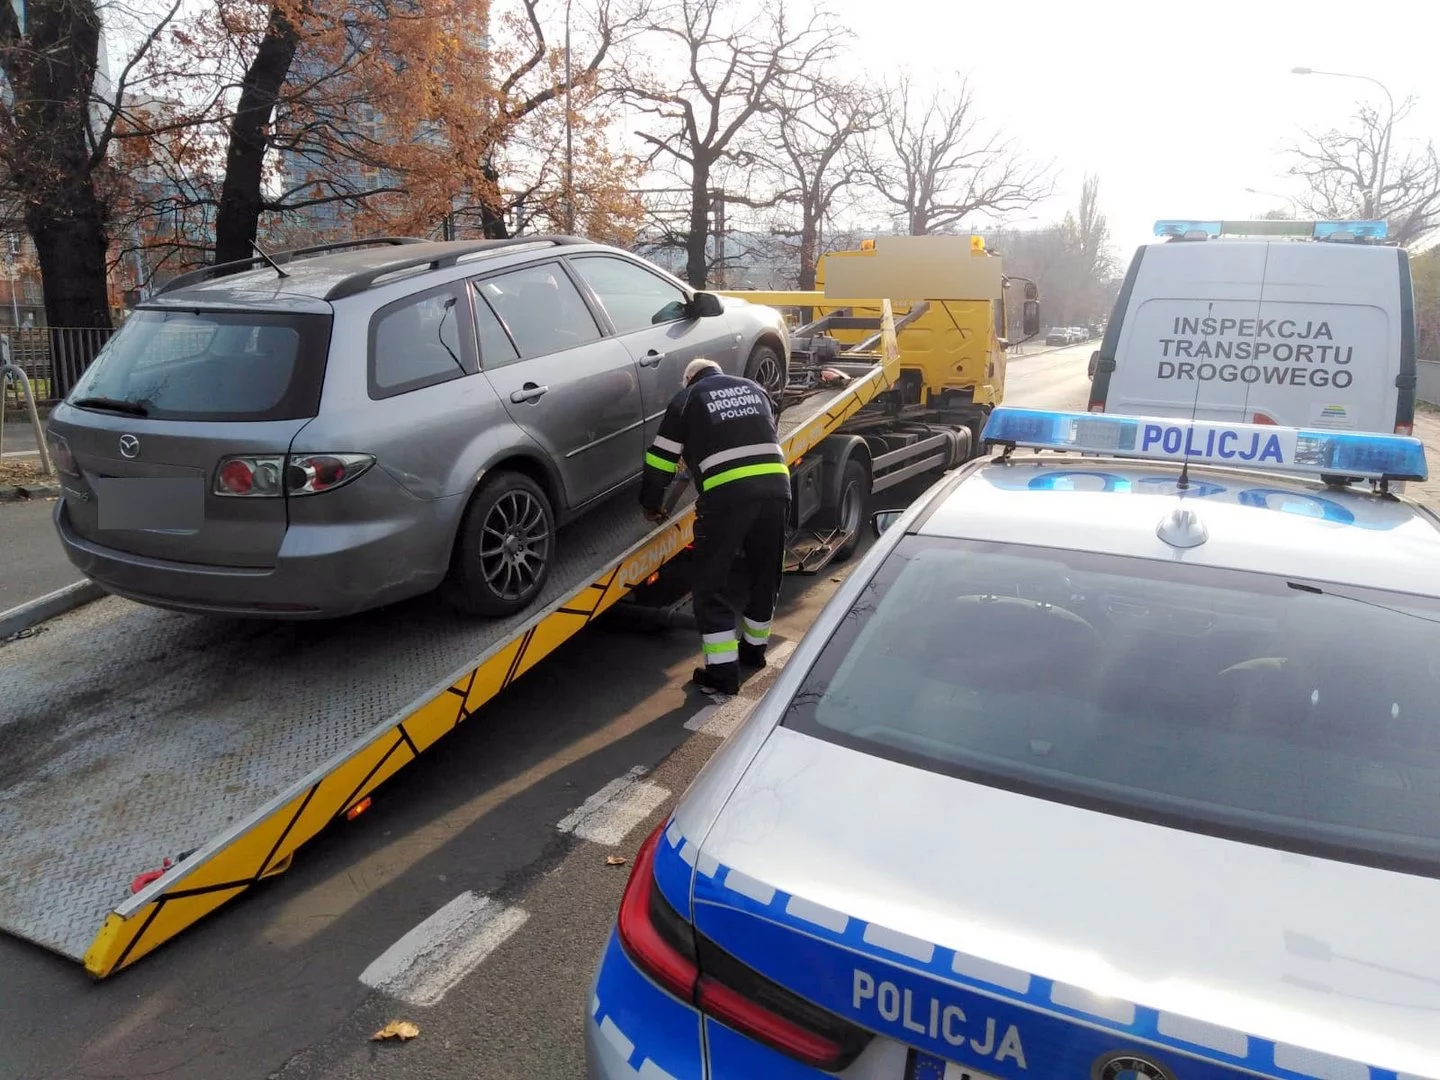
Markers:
point(129, 446)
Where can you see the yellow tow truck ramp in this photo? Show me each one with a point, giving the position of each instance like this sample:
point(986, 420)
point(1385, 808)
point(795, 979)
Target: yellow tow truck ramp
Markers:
point(133, 736)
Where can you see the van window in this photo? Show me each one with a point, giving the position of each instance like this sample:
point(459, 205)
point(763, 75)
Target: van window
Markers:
point(213, 365)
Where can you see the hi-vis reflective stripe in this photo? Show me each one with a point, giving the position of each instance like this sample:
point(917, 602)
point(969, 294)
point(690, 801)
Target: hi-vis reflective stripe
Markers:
point(720, 647)
point(744, 471)
point(659, 463)
point(670, 446)
point(735, 454)
point(756, 633)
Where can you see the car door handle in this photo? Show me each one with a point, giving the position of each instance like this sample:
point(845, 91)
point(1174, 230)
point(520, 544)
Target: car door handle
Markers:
point(529, 392)
point(651, 358)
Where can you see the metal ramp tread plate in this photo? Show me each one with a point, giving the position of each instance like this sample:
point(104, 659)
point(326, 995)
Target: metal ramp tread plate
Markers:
point(133, 734)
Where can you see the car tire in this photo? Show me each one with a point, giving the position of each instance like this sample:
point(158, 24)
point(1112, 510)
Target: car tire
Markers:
point(767, 367)
point(850, 505)
point(505, 548)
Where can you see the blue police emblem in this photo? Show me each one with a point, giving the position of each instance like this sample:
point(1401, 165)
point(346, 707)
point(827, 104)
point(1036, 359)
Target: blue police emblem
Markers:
point(1124, 1065)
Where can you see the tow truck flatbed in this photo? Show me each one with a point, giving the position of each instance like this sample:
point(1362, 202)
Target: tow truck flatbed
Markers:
point(135, 735)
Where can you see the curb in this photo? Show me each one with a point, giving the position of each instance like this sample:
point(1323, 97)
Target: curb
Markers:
point(21, 492)
point(19, 619)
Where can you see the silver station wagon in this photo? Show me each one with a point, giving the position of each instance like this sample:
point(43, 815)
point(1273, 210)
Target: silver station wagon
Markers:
point(328, 430)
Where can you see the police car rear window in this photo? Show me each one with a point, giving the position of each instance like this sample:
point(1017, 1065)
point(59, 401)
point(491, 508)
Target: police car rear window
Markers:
point(1288, 713)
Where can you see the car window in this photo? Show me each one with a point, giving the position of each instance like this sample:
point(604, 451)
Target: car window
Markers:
point(541, 308)
point(633, 297)
point(496, 348)
point(1220, 701)
point(187, 365)
point(416, 343)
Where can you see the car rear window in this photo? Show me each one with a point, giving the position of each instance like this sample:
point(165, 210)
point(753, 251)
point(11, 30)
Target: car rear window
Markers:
point(213, 365)
point(1287, 713)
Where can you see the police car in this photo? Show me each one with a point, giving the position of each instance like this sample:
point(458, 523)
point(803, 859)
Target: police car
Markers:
point(1122, 765)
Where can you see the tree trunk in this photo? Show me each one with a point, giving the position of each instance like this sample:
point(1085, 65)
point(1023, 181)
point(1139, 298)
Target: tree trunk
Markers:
point(809, 243)
point(697, 266)
point(51, 77)
point(492, 222)
point(237, 222)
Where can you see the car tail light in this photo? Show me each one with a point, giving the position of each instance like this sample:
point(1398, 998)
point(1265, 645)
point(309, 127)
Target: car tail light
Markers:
point(60, 455)
point(310, 474)
point(250, 476)
point(666, 947)
point(298, 474)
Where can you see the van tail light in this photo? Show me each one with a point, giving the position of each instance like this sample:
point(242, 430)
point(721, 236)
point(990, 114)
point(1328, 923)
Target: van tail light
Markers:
point(1261, 418)
point(274, 475)
point(1097, 406)
point(1404, 429)
point(660, 941)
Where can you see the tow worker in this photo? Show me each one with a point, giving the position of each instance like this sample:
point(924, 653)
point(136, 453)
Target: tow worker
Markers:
point(723, 428)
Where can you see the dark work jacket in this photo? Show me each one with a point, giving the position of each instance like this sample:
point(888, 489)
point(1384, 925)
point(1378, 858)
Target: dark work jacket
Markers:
point(722, 427)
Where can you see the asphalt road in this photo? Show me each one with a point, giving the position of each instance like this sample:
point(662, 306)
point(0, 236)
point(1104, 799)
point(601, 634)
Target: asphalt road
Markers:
point(272, 986)
point(31, 560)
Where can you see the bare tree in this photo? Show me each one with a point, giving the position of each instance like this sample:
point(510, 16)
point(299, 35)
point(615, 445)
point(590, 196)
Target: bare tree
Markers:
point(939, 166)
point(1354, 172)
point(732, 70)
point(820, 126)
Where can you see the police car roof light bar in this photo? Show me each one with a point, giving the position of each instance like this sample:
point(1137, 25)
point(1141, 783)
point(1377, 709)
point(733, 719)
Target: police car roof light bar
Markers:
point(1185, 229)
point(1208, 442)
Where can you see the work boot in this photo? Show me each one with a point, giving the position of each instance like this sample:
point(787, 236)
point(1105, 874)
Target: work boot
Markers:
point(752, 655)
point(718, 678)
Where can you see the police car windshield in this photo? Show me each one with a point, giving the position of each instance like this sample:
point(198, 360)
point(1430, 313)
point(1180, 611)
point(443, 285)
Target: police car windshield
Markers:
point(1221, 701)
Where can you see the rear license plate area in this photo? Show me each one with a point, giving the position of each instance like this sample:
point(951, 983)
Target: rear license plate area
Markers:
point(922, 1066)
point(149, 504)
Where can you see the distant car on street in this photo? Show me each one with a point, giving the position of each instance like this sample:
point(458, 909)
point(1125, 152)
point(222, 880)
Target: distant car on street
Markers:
point(348, 428)
point(1058, 335)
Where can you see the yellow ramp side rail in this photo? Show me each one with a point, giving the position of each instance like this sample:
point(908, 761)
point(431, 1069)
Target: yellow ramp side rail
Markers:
point(263, 844)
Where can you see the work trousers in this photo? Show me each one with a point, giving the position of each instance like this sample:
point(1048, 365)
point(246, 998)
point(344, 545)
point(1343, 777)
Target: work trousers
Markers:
point(739, 560)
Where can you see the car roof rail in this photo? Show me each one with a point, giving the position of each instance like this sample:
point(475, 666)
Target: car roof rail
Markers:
point(453, 252)
point(235, 266)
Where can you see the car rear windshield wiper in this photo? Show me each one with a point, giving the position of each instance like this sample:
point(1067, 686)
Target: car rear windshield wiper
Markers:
point(130, 408)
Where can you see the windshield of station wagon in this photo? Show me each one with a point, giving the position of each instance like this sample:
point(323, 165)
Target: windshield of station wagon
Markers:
point(1214, 700)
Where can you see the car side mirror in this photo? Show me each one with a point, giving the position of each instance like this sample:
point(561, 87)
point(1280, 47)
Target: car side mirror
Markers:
point(882, 520)
point(1030, 318)
point(704, 305)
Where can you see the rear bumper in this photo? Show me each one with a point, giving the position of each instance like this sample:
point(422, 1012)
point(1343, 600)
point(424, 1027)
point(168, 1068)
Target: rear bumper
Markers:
point(635, 1029)
point(323, 571)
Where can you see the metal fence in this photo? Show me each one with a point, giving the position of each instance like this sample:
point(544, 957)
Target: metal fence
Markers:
point(54, 356)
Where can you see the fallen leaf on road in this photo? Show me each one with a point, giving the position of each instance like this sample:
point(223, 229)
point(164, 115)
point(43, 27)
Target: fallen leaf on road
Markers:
point(614, 860)
point(397, 1029)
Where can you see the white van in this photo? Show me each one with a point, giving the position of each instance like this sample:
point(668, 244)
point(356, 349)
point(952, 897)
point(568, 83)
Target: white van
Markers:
point(1264, 329)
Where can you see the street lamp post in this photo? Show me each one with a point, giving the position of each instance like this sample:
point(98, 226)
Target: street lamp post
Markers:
point(569, 137)
point(1378, 189)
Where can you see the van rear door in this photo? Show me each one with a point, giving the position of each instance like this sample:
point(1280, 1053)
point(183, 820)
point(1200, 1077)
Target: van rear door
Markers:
point(1295, 333)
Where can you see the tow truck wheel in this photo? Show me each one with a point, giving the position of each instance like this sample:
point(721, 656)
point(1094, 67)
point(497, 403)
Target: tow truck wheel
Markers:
point(767, 368)
point(505, 549)
point(848, 513)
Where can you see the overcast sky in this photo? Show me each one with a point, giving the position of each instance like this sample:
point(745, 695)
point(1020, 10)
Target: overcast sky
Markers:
point(1178, 105)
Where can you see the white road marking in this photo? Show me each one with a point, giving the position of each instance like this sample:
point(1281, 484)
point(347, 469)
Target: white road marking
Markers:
point(433, 957)
point(608, 816)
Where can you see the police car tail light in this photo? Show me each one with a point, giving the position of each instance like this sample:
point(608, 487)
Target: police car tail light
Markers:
point(668, 958)
point(666, 947)
point(1268, 447)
